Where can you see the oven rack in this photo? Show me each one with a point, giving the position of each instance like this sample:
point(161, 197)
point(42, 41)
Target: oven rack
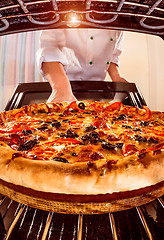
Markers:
point(144, 222)
point(145, 16)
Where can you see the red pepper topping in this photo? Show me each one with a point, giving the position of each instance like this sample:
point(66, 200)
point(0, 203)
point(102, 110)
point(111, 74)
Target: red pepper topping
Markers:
point(156, 132)
point(76, 123)
point(100, 123)
point(129, 149)
point(114, 106)
point(73, 106)
point(158, 146)
point(146, 115)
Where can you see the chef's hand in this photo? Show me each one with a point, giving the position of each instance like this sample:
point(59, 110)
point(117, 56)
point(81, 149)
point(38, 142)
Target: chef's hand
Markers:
point(121, 79)
point(58, 96)
point(60, 84)
point(114, 73)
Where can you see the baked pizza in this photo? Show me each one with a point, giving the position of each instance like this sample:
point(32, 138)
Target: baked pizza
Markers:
point(82, 148)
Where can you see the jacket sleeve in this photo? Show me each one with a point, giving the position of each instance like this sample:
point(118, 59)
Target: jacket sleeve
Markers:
point(118, 49)
point(51, 45)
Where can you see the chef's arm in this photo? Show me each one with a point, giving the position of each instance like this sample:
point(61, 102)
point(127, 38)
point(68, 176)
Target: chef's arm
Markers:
point(114, 73)
point(61, 88)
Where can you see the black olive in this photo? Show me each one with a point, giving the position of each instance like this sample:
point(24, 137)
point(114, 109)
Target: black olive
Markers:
point(71, 134)
point(119, 145)
point(56, 124)
point(90, 164)
point(61, 115)
point(87, 112)
point(81, 105)
point(93, 137)
point(62, 135)
point(28, 145)
point(108, 146)
point(136, 129)
point(74, 111)
point(94, 140)
point(141, 155)
point(74, 154)
point(65, 120)
point(85, 137)
point(139, 138)
point(60, 159)
point(120, 117)
point(126, 126)
point(48, 122)
point(144, 123)
point(41, 111)
point(152, 140)
point(26, 132)
point(43, 127)
point(90, 128)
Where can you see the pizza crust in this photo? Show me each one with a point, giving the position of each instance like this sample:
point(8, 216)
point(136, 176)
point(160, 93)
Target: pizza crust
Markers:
point(57, 177)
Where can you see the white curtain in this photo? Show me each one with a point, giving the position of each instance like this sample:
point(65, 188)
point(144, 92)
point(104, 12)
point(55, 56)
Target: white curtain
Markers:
point(17, 62)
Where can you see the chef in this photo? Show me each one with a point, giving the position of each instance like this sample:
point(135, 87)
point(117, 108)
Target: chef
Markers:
point(78, 54)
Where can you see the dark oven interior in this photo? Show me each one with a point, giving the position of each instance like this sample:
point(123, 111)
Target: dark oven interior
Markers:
point(144, 16)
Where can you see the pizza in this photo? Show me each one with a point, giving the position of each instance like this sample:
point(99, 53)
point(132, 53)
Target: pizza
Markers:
point(83, 148)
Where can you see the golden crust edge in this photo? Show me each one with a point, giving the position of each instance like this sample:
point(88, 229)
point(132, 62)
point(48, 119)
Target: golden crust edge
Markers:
point(66, 178)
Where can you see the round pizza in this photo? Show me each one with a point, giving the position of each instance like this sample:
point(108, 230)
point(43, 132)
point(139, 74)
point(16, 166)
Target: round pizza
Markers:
point(82, 148)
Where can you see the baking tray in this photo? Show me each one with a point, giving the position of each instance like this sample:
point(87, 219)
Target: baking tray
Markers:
point(98, 204)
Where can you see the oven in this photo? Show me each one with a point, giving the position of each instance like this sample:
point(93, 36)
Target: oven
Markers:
point(22, 222)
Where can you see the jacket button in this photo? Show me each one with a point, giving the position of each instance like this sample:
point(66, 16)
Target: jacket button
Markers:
point(111, 39)
point(91, 38)
point(107, 62)
point(90, 62)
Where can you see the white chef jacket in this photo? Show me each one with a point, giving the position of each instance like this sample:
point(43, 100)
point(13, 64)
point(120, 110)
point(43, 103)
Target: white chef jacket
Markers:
point(84, 53)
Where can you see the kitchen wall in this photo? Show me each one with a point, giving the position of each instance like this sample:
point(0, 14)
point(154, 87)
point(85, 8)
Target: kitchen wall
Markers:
point(142, 62)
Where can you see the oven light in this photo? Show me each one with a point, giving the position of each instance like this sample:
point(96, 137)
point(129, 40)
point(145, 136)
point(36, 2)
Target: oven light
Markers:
point(73, 19)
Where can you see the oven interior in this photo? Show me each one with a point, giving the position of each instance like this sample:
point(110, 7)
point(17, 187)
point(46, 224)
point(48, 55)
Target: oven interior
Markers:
point(144, 16)
point(127, 93)
point(18, 221)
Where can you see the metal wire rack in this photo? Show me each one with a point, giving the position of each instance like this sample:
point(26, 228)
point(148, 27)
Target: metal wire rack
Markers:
point(145, 16)
point(18, 221)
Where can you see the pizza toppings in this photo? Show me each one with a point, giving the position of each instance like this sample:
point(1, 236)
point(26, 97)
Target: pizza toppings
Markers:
point(81, 105)
point(139, 138)
point(54, 147)
point(85, 131)
point(116, 106)
point(29, 144)
point(108, 146)
point(92, 137)
point(60, 159)
point(129, 149)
